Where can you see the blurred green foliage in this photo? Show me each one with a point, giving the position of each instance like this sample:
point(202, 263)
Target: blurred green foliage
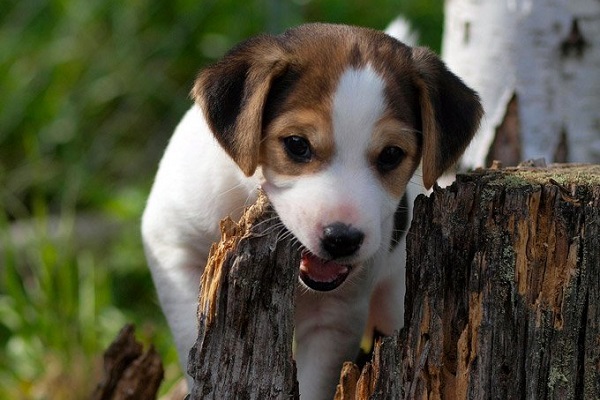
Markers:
point(90, 91)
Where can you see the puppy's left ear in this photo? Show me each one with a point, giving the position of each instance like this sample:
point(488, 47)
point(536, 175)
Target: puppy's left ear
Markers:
point(233, 92)
point(450, 114)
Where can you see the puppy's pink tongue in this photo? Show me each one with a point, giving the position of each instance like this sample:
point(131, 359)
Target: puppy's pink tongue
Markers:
point(322, 275)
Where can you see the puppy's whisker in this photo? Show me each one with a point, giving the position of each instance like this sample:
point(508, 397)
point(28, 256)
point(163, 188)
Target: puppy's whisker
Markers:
point(263, 139)
point(281, 232)
point(285, 234)
point(417, 182)
point(266, 221)
point(229, 190)
point(268, 229)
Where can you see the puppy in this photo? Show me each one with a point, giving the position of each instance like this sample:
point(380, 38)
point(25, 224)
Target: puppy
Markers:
point(331, 121)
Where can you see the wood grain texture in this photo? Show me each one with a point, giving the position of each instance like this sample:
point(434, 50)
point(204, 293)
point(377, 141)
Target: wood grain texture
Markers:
point(503, 280)
point(129, 372)
point(503, 291)
point(244, 347)
point(503, 298)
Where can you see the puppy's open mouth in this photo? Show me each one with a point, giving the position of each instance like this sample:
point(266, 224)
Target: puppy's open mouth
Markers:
point(322, 275)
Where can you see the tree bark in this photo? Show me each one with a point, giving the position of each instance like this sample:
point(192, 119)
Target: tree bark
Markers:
point(503, 290)
point(129, 373)
point(246, 311)
point(535, 64)
point(503, 298)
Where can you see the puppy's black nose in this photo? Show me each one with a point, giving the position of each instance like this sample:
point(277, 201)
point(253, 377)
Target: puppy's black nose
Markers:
point(341, 240)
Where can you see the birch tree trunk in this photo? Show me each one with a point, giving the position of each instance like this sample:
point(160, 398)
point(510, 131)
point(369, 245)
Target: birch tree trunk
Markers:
point(536, 65)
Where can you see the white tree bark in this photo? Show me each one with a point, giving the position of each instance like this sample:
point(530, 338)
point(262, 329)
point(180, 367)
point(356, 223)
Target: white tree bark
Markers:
point(536, 65)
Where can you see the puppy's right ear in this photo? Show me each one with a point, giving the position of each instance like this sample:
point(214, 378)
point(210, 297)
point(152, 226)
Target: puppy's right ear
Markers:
point(232, 94)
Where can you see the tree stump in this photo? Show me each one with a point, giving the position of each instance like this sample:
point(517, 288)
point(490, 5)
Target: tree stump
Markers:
point(503, 290)
point(503, 298)
point(129, 372)
point(246, 312)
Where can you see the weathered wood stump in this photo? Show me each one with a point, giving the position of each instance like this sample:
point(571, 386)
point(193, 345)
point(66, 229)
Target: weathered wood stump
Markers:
point(503, 290)
point(503, 298)
point(246, 312)
point(129, 372)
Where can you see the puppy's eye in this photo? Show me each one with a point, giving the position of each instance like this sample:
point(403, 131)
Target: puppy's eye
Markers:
point(297, 148)
point(389, 158)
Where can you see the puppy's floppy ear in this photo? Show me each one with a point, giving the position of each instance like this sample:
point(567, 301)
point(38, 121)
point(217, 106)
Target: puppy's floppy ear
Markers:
point(232, 94)
point(450, 114)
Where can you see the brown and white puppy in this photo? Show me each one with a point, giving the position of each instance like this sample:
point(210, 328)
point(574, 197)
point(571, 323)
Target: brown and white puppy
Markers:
point(331, 121)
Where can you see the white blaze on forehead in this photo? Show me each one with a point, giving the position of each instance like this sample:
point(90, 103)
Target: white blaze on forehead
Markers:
point(358, 103)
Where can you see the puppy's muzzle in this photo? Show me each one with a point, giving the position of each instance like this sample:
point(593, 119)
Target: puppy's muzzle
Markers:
point(340, 240)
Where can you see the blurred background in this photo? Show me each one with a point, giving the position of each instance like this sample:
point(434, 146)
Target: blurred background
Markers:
point(90, 92)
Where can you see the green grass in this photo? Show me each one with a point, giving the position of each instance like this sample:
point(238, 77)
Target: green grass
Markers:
point(90, 93)
point(60, 306)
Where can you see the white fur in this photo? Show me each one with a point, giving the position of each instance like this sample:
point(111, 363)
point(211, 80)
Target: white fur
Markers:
point(198, 184)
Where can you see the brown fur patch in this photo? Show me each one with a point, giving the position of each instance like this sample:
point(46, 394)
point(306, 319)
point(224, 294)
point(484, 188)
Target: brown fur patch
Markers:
point(249, 97)
point(450, 110)
point(232, 95)
point(390, 132)
point(431, 137)
point(314, 126)
point(316, 65)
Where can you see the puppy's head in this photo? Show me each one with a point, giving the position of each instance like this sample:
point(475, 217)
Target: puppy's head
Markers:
point(338, 119)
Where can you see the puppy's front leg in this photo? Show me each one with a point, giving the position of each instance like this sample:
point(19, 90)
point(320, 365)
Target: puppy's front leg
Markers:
point(176, 274)
point(328, 333)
